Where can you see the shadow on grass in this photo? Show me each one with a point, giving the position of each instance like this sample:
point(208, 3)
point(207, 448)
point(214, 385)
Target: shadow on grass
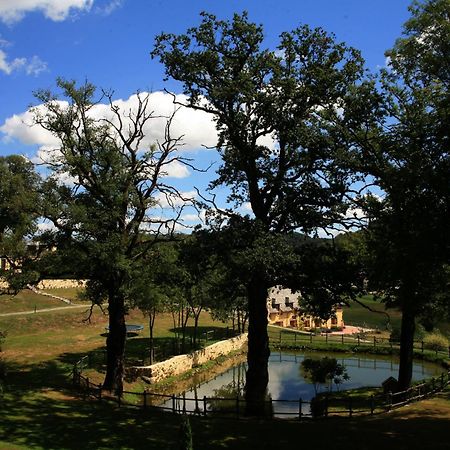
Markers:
point(40, 410)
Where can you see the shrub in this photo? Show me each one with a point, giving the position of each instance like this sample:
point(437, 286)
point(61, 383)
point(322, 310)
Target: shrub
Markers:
point(185, 434)
point(435, 341)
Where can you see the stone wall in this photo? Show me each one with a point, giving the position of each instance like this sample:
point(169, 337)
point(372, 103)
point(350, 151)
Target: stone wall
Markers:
point(53, 284)
point(60, 284)
point(183, 363)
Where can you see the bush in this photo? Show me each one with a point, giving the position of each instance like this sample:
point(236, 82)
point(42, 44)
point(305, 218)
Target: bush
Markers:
point(435, 341)
point(185, 434)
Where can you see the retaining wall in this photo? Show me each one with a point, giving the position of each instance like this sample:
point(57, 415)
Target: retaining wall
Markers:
point(182, 363)
point(60, 284)
point(53, 284)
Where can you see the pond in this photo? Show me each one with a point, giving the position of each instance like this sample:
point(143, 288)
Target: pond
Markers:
point(287, 383)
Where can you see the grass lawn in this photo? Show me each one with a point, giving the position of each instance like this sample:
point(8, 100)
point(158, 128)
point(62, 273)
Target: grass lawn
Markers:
point(27, 301)
point(39, 409)
point(357, 315)
point(69, 293)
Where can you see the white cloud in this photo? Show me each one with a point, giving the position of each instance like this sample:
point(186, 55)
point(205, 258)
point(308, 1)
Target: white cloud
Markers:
point(176, 169)
point(196, 128)
point(10, 66)
point(12, 11)
point(166, 200)
point(46, 226)
point(21, 127)
point(33, 66)
point(109, 8)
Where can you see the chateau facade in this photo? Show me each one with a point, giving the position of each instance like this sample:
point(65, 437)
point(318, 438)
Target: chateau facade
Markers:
point(284, 310)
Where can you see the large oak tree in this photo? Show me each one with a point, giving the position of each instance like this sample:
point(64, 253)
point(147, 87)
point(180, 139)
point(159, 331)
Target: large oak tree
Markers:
point(276, 112)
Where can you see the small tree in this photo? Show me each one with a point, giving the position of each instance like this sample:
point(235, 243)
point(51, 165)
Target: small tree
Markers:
point(185, 434)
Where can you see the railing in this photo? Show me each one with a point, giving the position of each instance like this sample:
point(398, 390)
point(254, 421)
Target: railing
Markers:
point(323, 405)
point(283, 337)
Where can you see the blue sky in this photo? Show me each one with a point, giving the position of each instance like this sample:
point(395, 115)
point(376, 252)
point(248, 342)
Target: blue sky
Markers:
point(108, 42)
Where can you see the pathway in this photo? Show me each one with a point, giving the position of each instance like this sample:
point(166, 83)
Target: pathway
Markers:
point(34, 311)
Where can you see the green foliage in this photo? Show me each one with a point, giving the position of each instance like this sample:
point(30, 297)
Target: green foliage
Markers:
point(405, 153)
point(435, 341)
point(185, 434)
point(19, 210)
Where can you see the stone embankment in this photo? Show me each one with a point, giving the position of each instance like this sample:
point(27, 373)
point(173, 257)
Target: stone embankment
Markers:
point(182, 363)
point(61, 284)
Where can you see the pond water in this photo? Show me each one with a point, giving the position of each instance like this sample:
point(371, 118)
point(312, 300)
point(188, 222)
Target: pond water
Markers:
point(287, 383)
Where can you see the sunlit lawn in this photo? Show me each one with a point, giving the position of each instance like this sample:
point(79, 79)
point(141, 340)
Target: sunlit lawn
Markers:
point(27, 301)
point(40, 410)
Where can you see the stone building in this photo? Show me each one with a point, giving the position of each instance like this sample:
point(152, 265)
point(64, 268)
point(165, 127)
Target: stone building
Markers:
point(284, 310)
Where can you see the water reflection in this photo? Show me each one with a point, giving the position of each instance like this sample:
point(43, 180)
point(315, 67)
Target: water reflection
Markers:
point(287, 383)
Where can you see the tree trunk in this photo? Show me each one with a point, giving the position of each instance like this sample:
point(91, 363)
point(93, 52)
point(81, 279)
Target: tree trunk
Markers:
point(196, 319)
point(115, 344)
point(151, 323)
point(406, 348)
point(257, 376)
point(184, 321)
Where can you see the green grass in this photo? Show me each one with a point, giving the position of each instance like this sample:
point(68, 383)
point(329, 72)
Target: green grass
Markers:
point(27, 301)
point(40, 410)
point(69, 293)
point(357, 315)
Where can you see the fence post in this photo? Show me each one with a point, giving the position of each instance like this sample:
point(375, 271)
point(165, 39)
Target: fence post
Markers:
point(145, 399)
point(295, 339)
point(99, 393)
point(374, 342)
point(300, 405)
point(358, 340)
point(350, 407)
point(173, 404)
point(372, 405)
point(342, 336)
point(326, 338)
point(119, 399)
point(310, 338)
point(421, 347)
point(204, 405)
point(280, 337)
point(389, 400)
point(237, 406)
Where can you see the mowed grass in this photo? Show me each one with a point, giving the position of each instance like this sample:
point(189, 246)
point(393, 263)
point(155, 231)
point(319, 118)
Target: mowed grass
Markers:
point(69, 293)
point(40, 409)
point(27, 301)
point(357, 315)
